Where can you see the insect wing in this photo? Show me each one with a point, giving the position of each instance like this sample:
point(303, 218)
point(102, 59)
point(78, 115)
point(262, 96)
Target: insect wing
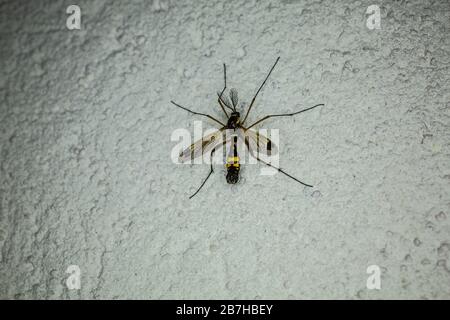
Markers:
point(201, 146)
point(258, 143)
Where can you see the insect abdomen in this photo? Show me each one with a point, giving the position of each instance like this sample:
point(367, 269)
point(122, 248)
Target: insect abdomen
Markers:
point(232, 162)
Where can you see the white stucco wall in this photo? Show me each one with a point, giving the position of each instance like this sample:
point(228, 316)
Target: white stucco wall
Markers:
point(86, 177)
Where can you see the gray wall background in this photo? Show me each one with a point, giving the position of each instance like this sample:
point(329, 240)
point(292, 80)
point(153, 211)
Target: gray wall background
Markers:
point(86, 177)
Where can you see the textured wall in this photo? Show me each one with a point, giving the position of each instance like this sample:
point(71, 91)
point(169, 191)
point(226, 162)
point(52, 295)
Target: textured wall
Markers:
point(86, 176)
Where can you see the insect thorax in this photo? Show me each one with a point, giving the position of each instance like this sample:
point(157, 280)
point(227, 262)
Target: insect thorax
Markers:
point(233, 121)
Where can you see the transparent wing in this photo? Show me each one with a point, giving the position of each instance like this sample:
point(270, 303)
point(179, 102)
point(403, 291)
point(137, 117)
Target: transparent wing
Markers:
point(202, 146)
point(258, 143)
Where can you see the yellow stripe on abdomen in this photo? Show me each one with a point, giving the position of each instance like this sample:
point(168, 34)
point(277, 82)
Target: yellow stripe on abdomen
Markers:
point(232, 162)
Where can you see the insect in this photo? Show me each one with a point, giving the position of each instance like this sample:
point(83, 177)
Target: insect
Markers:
point(252, 139)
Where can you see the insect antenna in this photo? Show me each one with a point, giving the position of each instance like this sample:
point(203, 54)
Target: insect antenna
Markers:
point(234, 98)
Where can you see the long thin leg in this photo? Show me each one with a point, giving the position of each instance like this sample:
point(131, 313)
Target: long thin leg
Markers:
point(203, 183)
point(254, 98)
point(223, 108)
point(221, 101)
point(284, 115)
point(201, 114)
point(224, 79)
point(222, 104)
point(211, 171)
point(279, 169)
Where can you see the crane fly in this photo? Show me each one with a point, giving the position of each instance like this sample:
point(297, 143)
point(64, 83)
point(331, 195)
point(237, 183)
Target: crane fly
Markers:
point(254, 141)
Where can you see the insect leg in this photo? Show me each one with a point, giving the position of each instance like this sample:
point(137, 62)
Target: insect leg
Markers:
point(254, 98)
point(223, 107)
point(224, 79)
point(198, 113)
point(211, 171)
point(283, 115)
point(222, 104)
point(279, 169)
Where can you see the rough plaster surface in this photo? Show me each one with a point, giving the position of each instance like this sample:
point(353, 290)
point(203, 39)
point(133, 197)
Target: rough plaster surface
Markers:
point(86, 176)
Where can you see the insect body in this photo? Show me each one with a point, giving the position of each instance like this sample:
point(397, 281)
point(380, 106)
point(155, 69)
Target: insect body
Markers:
point(233, 121)
point(254, 141)
point(232, 164)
